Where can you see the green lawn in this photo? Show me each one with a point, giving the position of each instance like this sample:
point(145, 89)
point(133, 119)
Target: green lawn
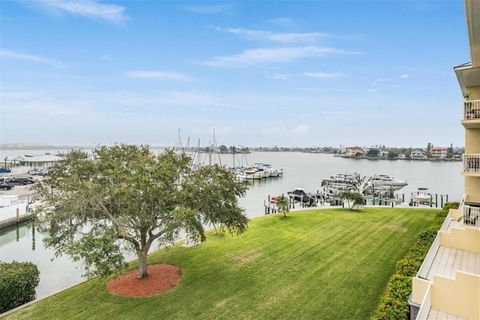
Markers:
point(319, 264)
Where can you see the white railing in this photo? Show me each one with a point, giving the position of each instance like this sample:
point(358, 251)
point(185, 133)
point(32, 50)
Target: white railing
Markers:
point(472, 110)
point(471, 162)
point(432, 252)
point(426, 306)
point(471, 215)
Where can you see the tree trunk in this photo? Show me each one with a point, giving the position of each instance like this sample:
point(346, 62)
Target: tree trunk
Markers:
point(142, 265)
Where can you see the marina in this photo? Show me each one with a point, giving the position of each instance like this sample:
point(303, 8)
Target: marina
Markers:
point(301, 170)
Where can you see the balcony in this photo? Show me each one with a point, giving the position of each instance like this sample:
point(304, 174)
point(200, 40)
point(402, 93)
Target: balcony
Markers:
point(471, 164)
point(447, 285)
point(471, 117)
point(471, 216)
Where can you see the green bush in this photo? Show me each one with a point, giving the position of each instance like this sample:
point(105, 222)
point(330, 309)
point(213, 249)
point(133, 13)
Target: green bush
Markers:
point(18, 281)
point(394, 304)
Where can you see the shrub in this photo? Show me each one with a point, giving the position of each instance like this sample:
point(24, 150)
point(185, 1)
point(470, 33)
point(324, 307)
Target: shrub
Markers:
point(18, 281)
point(394, 304)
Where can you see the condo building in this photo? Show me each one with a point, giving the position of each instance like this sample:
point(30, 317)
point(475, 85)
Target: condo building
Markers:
point(447, 285)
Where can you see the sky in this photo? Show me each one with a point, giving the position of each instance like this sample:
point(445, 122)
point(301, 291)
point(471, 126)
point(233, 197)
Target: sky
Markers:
point(259, 73)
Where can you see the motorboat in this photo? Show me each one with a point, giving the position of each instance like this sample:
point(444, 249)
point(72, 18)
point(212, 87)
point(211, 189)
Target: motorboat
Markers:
point(422, 196)
point(299, 195)
point(385, 181)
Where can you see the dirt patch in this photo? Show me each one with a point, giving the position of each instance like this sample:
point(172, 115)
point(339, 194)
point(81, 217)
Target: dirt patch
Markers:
point(396, 227)
point(246, 257)
point(161, 277)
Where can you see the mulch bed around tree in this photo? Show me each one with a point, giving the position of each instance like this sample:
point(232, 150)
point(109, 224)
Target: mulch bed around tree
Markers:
point(161, 277)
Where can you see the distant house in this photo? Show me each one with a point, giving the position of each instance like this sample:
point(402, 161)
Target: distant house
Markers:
point(418, 155)
point(36, 162)
point(383, 154)
point(354, 152)
point(439, 152)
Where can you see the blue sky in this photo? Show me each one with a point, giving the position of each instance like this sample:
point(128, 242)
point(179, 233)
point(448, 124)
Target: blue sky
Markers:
point(260, 73)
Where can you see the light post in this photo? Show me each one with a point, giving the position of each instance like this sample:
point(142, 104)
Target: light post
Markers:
point(6, 159)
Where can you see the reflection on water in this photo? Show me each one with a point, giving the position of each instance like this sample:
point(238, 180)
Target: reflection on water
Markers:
point(25, 243)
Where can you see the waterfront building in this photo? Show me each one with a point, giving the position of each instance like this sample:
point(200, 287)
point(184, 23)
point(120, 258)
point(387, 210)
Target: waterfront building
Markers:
point(447, 285)
point(36, 162)
point(354, 152)
point(439, 152)
point(418, 155)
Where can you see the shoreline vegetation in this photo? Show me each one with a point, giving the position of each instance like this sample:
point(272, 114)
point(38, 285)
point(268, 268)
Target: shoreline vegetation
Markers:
point(449, 154)
point(394, 304)
point(326, 251)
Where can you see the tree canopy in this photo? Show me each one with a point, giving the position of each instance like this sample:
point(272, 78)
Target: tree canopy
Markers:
point(127, 199)
point(283, 204)
point(352, 199)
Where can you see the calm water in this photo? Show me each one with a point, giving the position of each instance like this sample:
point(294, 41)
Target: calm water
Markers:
point(300, 170)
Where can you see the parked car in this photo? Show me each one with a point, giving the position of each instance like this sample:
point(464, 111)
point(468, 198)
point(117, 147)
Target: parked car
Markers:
point(20, 181)
point(5, 186)
point(42, 172)
point(5, 170)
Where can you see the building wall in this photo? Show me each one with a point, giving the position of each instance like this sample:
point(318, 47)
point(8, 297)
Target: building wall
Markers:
point(463, 239)
point(472, 189)
point(472, 140)
point(460, 296)
point(474, 93)
point(442, 153)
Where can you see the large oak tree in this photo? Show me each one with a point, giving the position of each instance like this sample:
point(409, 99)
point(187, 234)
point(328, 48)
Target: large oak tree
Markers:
point(127, 198)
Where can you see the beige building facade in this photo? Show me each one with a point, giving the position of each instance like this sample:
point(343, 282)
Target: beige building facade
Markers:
point(447, 285)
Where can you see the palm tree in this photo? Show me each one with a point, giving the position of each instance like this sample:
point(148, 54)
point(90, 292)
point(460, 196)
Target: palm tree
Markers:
point(283, 205)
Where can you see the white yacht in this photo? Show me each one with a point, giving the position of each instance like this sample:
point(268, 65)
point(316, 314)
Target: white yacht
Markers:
point(385, 181)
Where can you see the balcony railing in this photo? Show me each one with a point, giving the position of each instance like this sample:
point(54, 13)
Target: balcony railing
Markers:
point(426, 305)
point(471, 163)
point(432, 252)
point(472, 110)
point(471, 215)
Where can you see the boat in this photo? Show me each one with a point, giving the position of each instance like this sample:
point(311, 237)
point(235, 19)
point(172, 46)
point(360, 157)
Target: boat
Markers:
point(252, 173)
point(241, 177)
point(422, 197)
point(299, 195)
point(385, 181)
point(340, 183)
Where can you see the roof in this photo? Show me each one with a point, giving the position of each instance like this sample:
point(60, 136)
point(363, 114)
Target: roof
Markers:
point(39, 158)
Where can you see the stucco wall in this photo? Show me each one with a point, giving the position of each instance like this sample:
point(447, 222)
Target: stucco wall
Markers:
point(459, 296)
point(467, 239)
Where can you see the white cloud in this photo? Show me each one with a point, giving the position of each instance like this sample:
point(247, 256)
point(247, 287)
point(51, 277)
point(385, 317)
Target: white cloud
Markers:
point(207, 9)
point(404, 76)
point(284, 22)
point(286, 37)
point(301, 130)
point(372, 90)
point(160, 75)
point(92, 9)
point(323, 75)
point(280, 76)
point(8, 54)
point(268, 55)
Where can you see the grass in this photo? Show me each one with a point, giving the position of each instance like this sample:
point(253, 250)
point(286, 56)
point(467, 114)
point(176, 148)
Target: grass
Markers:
point(316, 264)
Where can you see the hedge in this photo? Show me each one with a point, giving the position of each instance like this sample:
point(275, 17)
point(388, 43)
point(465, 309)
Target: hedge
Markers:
point(394, 304)
point(18, 281)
